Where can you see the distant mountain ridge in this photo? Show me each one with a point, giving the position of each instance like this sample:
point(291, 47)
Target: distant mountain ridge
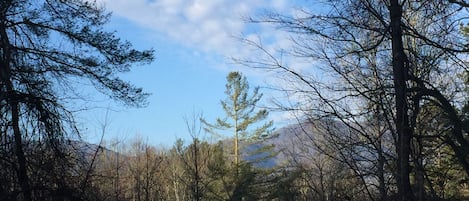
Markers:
point(292, 142)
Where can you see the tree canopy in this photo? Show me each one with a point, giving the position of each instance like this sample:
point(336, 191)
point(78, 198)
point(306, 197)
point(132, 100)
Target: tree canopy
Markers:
point(47, 48)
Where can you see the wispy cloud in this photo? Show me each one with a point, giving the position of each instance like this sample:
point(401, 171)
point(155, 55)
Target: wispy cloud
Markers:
point(206, 25)
point(214, 27)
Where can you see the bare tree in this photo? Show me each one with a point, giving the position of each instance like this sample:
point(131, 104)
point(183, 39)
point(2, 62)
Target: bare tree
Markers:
point(383, 60)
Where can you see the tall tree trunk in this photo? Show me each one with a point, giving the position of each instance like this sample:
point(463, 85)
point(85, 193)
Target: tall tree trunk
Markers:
point(404, 131)
point(22, 170)
point(117, 179)
point(236, 143)
point(13, 103)
point(382, 180)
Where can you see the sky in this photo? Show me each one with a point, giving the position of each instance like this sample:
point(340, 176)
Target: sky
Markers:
point(194, 43)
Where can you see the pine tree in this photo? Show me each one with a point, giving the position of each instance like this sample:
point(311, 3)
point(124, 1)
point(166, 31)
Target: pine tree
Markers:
point(46, 48)
point(239, 107)
point(248, 126)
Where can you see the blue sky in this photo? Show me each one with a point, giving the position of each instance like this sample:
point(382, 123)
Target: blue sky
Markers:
point(194, 41)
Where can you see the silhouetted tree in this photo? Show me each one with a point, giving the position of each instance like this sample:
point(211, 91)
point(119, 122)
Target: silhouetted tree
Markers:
point(382, 60)
point(46, 48)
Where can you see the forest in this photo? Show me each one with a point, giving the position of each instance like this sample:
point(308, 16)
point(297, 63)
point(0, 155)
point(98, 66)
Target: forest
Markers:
point(383, 113)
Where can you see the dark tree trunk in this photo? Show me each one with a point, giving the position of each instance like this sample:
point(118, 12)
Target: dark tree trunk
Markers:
point(13, 103)
point(382, 180)
point(404, 131)
point(22, 170)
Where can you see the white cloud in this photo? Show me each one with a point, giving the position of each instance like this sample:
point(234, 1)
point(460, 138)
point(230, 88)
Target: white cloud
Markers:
point(211, 26)
point(196, 12)
point(205, 25)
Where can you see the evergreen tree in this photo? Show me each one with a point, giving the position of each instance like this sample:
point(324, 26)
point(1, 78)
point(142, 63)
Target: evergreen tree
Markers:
point(46, 48)
point(239, 107)
point(248, 126)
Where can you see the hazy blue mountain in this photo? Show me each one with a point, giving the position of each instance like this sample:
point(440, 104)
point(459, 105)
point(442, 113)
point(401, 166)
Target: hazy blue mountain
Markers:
point(292, 143)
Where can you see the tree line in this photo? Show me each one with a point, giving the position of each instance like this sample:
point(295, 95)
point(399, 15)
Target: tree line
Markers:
point(388, 119)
